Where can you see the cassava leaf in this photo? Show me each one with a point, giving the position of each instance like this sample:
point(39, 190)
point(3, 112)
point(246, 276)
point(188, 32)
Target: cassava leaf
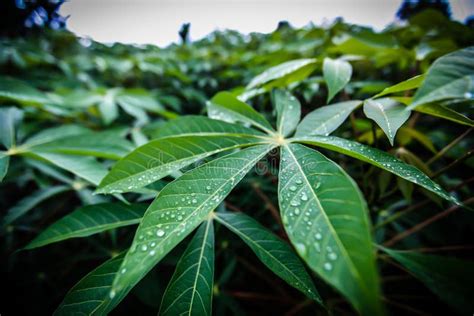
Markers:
point(288, 110)
point(226, 107)
point(89, 220)
point(449, 77)
point(326, 219)
point(444, 112)
point(90, 296)
point(408, 84)
point(179, 208)
point(379, 159)
point(193, 125)
point(190, 289)
point(449, 278)
point(17, 90)
point(271, 250)
point(4, 163)
point(9, 119)
point(388, 114)
point(337, 73)
point(161, 157)
point(281, 71)
point(326, 119)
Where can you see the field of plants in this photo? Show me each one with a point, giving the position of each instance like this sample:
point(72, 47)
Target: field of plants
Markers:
point(314, 171)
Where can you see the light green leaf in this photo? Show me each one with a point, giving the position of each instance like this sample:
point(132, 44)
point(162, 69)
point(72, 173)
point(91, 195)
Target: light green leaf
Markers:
point(55, 133)
point(449, 278)
point(108, 107)
point(87, 168)
point(326, 119)
point(29, 202)
point(288, 110)
point(441, 111)
point(190, 289)
point(406, 85)
point(337, 73)
point(271, 250)
point(90, 296)
point(4, 163)
point(408, 133)
point(226, 107)
point(379, 159)
point(450, 77)
point(9, 119)
point(193, 125)
point(100, 144)
point(388, 114)
point(19, 91)
point(89, 220)
point(283, 70)
point(161, 157)
point(326, 219)
point(180, 207)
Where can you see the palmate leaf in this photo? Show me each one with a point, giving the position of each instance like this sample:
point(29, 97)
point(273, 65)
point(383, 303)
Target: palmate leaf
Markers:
point(90, 296)
point(326, 219)
point(326, 119)
point(449, 77)
point(190, 289)
point(288, 110)
point(271, 250)
point(161, 157)
point(388, 114)
point(30, 201)
point(226, 107)
point(180, 207)
point(337, 73)
point(194, 125)
point(299, 69)
point(89, 220)
point(449, 278)
point(379, 159)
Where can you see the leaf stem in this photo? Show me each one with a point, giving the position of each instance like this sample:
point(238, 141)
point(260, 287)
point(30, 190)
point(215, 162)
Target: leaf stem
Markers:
point(448, 147)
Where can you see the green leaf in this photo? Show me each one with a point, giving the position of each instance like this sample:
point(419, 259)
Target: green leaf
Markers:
point(86, 168)
point(388, 114)
point(408, 84)
point(161, 157)
point(4, 163)
point(90, 296)
point(30, 201)
point(193, 125)
point(226, 107)
point(445, 113)
point(337, 73)
point(449, 77)
point(19, 91)
point(449, 278)
point(9, 119)
point(101, 144)
point(326, 219)
point(379, 159)
point(190, 289)
point(180, 207)
point(326, 119)
point(406, 133)
point(55, 133)
point(271, 250)
point(288, 110)
point(283, 70)
point(89, 220)
point(108, 108)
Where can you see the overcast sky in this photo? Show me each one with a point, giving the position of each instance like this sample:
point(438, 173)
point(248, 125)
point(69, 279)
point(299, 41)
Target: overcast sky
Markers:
point(158, 21)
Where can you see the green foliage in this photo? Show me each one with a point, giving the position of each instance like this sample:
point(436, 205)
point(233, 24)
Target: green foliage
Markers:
point(97, 138)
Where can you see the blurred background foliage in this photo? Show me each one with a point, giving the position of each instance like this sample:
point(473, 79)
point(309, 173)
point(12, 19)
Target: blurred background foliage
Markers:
point(58, 79)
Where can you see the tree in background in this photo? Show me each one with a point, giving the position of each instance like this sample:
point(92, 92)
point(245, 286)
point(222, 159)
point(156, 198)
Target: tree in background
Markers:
point(18, 17)
point(412, 7)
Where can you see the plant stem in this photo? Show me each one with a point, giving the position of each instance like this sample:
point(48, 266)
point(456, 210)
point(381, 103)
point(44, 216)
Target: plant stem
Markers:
point(453, 164)
point(448, 147)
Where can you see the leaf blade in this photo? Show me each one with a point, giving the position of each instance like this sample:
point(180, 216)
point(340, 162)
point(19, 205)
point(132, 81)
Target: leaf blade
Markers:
point(288, 110)
point(337, 73)
point(279, 258)
point(336, 243)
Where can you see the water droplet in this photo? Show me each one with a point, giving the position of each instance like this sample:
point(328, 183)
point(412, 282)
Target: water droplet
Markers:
point(123, 270)
point(304, 197)
point(160, 233)
point(328, 266)
point(294, 203)
point(112, 294)
point(292, 188)
point(208, 187)
point(144, 247)
point(194, 201)
point(332, 256)
point(298, 181)
point(152, 253)
point(180, 218)
point(153, 244)
point(297, 211)
point(318, 236)
point(301, 248)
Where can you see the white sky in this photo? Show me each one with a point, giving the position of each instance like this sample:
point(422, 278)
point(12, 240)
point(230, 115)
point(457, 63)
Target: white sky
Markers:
point(158, 21)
